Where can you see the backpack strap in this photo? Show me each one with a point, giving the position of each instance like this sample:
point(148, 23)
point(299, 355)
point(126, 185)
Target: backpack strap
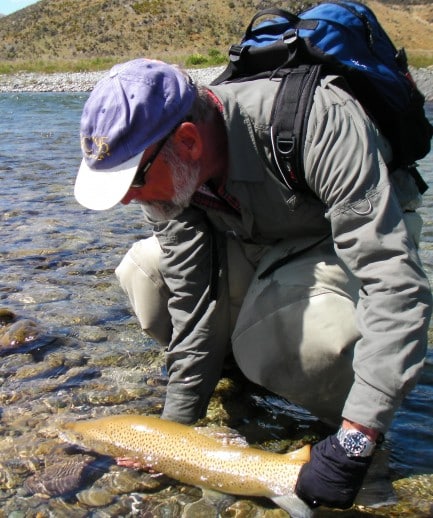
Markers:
point(289, 120)
point(293, 22)
point(271, 11)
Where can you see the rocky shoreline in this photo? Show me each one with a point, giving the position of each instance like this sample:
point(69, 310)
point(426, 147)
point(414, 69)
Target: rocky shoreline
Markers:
point(76, 81)
point(85, 81)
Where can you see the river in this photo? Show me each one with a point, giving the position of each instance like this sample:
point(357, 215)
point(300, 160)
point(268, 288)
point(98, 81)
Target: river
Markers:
point(57, 263)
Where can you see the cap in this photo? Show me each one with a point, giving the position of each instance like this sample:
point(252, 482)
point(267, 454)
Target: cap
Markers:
point(134, 106)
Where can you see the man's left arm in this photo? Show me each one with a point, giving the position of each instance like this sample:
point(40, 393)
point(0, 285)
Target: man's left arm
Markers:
point(346, 170)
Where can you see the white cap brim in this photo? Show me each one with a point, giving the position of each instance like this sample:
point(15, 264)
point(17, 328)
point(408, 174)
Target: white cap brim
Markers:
point(101, 190)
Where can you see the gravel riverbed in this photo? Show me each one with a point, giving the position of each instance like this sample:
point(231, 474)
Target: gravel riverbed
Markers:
point(76, 81)
point(85, 81)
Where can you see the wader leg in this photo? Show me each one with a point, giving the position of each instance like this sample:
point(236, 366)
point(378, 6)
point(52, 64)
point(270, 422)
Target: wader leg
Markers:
point(140, 278)
point(296, 332)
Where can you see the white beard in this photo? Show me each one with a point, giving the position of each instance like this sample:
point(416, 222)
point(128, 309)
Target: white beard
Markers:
point(185, 180)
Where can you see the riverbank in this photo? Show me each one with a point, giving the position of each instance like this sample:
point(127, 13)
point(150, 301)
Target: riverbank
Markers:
point(85, 81)
point(76, 81)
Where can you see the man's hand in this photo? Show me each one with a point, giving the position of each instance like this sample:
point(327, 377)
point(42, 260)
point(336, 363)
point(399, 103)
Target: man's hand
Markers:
point(331, 478)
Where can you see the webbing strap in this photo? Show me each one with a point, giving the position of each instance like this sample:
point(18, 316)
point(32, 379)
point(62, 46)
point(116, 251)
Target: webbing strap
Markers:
point(289, 120)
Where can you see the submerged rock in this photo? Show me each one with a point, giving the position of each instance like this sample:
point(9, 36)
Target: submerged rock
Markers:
point(67, 476)
point(23, 335)
point(6, 316)
point(19, 333)
point(95, 497)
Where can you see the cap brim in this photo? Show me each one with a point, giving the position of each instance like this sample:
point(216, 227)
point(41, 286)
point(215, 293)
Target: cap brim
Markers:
point(101, 190)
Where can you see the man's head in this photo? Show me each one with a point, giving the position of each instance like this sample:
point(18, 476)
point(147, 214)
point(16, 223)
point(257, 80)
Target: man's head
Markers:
point(183, 178)
point(136, 106)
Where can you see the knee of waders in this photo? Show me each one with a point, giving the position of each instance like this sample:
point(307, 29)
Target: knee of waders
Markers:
point(140, 278)
point(302, 351)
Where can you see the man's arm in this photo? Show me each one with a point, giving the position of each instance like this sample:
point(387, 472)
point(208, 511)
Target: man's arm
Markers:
point(346, 170)
point(191, 265)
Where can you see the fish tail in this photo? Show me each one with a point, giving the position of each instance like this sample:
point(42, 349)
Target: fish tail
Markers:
point(296, 507)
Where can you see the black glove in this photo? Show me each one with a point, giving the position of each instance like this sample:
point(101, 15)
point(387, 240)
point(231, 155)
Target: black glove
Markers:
point(331, 478)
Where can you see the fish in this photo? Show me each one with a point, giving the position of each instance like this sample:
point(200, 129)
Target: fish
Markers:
point(184, 454)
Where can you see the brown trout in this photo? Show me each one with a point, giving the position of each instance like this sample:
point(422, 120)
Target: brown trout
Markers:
point(184, 454)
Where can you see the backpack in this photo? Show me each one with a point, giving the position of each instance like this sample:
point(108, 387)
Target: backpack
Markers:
point(333, 37)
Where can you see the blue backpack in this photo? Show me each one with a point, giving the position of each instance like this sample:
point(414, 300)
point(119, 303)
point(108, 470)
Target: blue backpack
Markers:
point(333, 37)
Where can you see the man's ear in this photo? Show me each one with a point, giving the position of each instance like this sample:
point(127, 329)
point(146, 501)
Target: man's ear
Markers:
point(188, 141)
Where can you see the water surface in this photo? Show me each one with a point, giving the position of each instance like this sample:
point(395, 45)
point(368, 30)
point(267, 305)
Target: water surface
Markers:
point(57, 263)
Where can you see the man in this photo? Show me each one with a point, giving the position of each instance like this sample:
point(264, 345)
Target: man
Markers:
point(320, 295)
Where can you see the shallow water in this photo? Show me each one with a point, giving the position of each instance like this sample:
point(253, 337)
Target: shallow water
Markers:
point(57, 263)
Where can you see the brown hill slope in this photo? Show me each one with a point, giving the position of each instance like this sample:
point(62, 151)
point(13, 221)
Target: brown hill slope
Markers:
point(122, 29)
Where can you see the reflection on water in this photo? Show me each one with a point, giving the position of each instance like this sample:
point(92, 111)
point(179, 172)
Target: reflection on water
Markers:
point(87, 356)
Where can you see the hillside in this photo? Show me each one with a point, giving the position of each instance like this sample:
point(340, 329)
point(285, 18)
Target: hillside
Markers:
point(53, 30)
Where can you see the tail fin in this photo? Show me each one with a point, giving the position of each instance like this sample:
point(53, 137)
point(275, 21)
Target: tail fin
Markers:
point(291, 503)
point(296, 507)
point(301, 455)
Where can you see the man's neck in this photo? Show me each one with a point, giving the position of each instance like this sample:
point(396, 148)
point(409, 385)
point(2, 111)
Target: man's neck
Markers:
point(215, 156)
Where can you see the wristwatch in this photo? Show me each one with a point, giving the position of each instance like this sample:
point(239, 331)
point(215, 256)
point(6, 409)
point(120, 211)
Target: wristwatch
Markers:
point(355, 443)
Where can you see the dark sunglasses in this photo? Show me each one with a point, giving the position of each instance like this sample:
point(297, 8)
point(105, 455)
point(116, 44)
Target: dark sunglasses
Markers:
point(140, 176)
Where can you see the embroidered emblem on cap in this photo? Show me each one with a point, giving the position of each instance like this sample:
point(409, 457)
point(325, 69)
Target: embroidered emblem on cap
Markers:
point(95, 147)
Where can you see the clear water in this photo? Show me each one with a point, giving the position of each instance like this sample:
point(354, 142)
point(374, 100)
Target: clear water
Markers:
point(57, 261)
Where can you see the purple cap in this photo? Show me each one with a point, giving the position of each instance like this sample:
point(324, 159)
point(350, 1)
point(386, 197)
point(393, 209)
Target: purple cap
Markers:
point(135, 105)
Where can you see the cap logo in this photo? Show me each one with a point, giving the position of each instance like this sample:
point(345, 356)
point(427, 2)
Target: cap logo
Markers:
point(95, 147)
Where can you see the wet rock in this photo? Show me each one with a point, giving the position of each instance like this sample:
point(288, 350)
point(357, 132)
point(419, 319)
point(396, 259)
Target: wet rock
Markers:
point(92, 334)
point(111, 396)
point(74, 377)
point(95, 497)
point(22, 335)
point(169, 507)
point(6, 316)
point(414, 493)
point(19, 333)
point(9, 365)
point(128, 481)
point(200, 509)
point(14, 471)
point(8, 479)
point(41, 295)
point(62, 478)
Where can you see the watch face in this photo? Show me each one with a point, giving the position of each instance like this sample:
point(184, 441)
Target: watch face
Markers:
point(355, 443)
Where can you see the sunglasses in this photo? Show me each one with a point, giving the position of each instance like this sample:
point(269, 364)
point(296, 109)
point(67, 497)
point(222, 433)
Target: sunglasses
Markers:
point(140, 176)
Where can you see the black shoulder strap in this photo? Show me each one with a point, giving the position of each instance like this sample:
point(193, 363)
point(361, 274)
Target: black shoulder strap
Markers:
point(289, 119)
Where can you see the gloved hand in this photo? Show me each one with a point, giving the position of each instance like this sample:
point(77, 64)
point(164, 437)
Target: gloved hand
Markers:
point(331, 478)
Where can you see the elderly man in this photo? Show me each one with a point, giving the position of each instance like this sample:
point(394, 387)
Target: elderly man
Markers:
point(319, 295)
